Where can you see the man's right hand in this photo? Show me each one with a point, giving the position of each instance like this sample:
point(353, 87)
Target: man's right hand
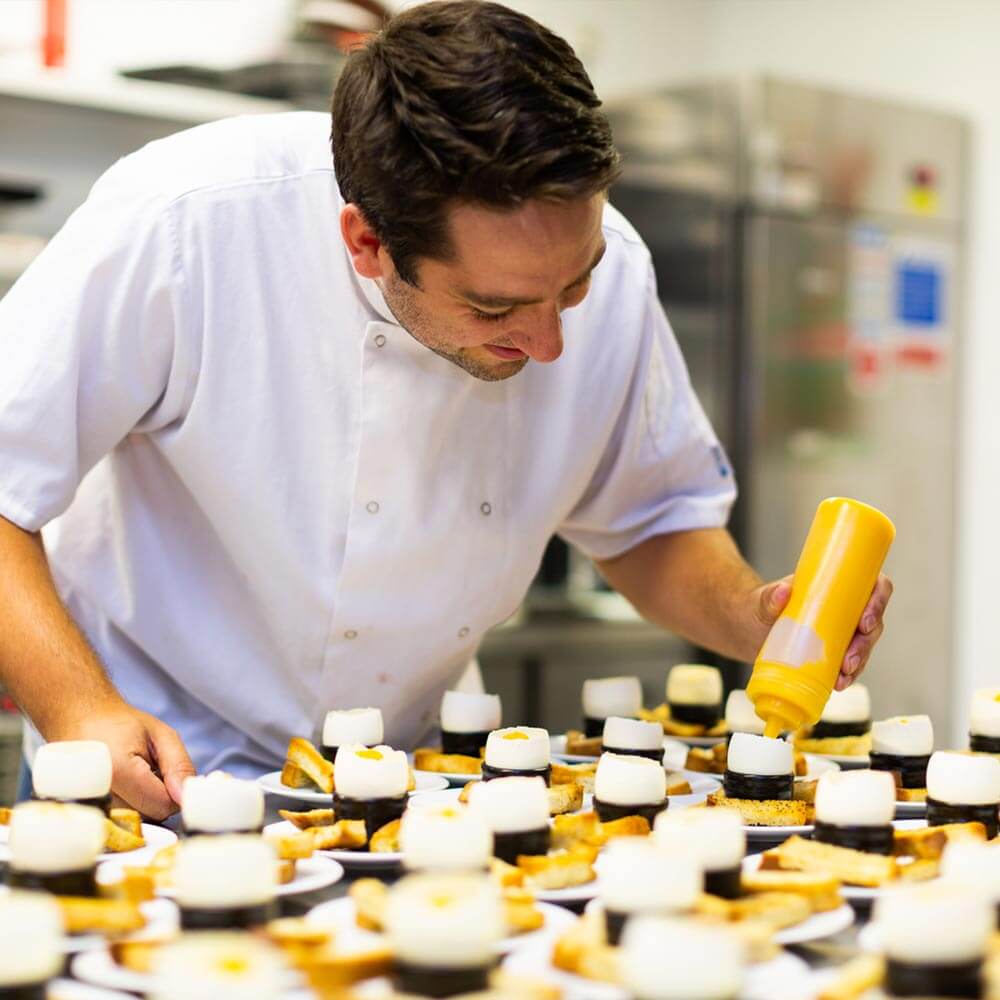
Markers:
point(148, 759)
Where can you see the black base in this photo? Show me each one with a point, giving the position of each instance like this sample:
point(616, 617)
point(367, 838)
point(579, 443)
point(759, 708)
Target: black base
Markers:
point(940, 813)
point(468, 744)
point(984, 744)
point(489, 773)
point(608, 812)
point(873, 839)
point(592, 727)
point(508, 846)
point(102, 802)
point(227, 918)
point(614, 926)
point(726, 882)
point(195, 832)
point(656, 755)
point(375, 812)
point(905, 980)
point(763, 787)
point(696, 715)
point(910, 772)
point(33, 991)
point(330, 753)
point(838, 730)
point(79, 883)
point(427, 981)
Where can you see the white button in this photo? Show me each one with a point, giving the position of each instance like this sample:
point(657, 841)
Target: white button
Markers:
point(350, 634)
point(486, 507)
point(463, 631)
point(380, 340)
point(372, 507)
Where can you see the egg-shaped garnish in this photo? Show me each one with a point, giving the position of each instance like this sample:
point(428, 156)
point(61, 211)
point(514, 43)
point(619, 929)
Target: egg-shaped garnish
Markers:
point(963, 788)
point(694, 694)
point(638, 877)
point(518, 751)
point(855, 809)
point(445, 838)
point(54, 847)
point(934, 938)
point(227, 882)
point(607, 696)
point(846, 713)
point(984, 721)
point(678, 958)
point(443, 931)
point(219, 803)
point(759, 767)
point(740, 714)
point(351, 727)
point(467, 719)
point(370, 784)
point(32, 946)
point(903, 745)
point(716, 838)
point(632, 737)
point(516, 809)
point(974, 865)
point(73, 771)
point(219, 965)
point(629, 786)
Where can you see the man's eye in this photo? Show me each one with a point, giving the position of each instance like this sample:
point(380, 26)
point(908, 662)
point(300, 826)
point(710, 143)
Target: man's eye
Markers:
point(490, 317)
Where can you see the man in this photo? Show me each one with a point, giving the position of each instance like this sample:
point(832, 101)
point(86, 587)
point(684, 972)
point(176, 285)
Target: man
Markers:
point(285, 466)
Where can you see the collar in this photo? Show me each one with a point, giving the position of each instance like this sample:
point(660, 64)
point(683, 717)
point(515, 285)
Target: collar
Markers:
point(376, 300)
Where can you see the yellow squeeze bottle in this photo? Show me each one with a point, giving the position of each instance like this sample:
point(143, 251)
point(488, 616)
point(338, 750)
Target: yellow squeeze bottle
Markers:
point(800, 660)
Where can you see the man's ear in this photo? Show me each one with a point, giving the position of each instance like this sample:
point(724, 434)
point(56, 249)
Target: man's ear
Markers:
point(362, 243)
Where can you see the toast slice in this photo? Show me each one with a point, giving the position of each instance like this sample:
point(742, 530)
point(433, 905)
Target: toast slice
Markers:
point(559, 869)
point(385, 839)
point(855, 978)
point(118, 839)
point(305, 820)
point(293, 846)
point(911, 794)
point(575, 828)
point(344, 835)
point(840, 746)
point(565, 798)
point(929, 842)
point(765, 812)
point(128, 819)
point(431, 759)
point(583, 746)
point(820, 888)
point(521, 913)
point(776, 909)
point(306, 757)
point(328, 971)
point(705, 760)
point(849, 866)
point(505, 875)
point(677, 784)
point(292, 776)
point(563, 774)
point(82, 915)
point(370, 897)
point(136, 954)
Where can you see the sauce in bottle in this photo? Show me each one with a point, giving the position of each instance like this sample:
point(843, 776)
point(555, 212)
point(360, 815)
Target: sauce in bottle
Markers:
point(800, 660)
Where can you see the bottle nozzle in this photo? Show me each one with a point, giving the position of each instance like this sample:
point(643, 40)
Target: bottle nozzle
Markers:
point(772, 727)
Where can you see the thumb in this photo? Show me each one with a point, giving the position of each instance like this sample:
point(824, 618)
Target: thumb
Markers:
point(142, 789)
point(772, 598)
point(171, 756)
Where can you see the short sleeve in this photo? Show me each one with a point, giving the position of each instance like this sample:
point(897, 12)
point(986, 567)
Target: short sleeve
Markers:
point(88, 350)
point(663, 469)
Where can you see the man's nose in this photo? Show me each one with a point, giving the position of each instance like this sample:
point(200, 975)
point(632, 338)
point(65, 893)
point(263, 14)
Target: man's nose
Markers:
point(541, 338)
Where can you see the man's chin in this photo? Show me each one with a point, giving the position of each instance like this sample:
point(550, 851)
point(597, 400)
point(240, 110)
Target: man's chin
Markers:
point(485, 366)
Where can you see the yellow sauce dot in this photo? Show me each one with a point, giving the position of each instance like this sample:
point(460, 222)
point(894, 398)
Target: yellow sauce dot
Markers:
point(996, 697)
point(516, 735)
point(449, 813)
point(442, 900)
point(370, 754)
point(233, 966)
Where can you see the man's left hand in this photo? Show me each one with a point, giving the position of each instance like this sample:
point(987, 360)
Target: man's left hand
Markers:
point(771, 598)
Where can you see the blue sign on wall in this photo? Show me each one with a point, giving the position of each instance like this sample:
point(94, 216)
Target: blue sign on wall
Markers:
point(918, 293)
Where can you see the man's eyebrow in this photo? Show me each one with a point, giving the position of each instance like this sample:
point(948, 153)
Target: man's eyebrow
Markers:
point(504, 301)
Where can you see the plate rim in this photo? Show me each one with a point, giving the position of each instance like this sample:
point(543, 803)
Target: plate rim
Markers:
point(311, 795)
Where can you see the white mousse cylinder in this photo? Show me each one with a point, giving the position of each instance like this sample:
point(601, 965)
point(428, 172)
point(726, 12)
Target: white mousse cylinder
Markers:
point(903, 736)
point(48, 837)
point(963, 779)
point(670, 958)
point(512, 805)
point(445, 838)
point(692, 684)
point(740, 714)
point(623, 780)
point(984, 715)
point(638, 877)
point(856, 798)
point(606, 696)
point(470, 712)
point(367, 773)
point(31, 939)
point(72, 769)
point(974, 865)
point(853, 704)
point(525, 748)
point(759, 755)
point(632, 734)
point(219, 803)
point(229, 870)
point(353, 726)
point(444, 921)
point(715, 836)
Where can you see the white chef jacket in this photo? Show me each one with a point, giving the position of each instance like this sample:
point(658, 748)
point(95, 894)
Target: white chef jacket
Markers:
point(262, 498)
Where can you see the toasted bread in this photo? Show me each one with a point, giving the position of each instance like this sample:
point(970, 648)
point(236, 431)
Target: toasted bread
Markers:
point(370, 897)
point(328, 971)
point(583, 950)
point(505, 875)
point(516, 986)
point(705, 760)
point(137, 885)
point(128, 819)
point(431, 759)
point(307, 820)
point(292, 776)
point(575, 828)
point(918, 869)
point(820, 888)
point(563, 774)
point(776, 909)
point(911, 794)
point(627, 826)
point(119, 840)
point(521, 913)
point(559, 869)
point(304, 755)
point(765, 812)
point(285, 870)
point(293, 846)
point(855, 978)
point(929, 841)
point(583, 746)
point(677, 784)
point(385, 839)
point(804, 789)
point(344, 835)
point(82, 915)
point(565, 798)
point(136, 954)
point(297, 931)
point(849, 866)
point(800, 764)
point(5, 812)
point(840, 746)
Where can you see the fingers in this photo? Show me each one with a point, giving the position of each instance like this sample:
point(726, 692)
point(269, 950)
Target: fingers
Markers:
point(877, 603)
point(172, 758)
point(141, 789)
point(772, 598)
point(857, 656)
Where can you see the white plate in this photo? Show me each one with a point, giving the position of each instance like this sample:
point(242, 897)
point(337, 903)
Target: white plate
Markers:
point(848, 761)
point(450, 797)
point(452, 779)
point(340, 914)
point(69, 989)
point(817, 765)
point(162, 917)
point(558, 745)
point(271, 783)
point(785, 977)
point(776, 833)
point(99, 968)
point(313, 873)
point(348, 859)
point(157, 837)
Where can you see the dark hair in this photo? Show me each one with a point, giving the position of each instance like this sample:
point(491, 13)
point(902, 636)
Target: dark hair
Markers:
point(463, 100)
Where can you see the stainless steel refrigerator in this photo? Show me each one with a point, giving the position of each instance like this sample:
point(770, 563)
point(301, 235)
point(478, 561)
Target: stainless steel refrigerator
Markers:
point(808, 253)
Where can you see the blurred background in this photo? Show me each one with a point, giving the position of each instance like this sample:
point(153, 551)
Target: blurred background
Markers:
point(817, 181)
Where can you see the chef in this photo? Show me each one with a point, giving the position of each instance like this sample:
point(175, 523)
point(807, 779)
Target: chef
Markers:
point(286, 428)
